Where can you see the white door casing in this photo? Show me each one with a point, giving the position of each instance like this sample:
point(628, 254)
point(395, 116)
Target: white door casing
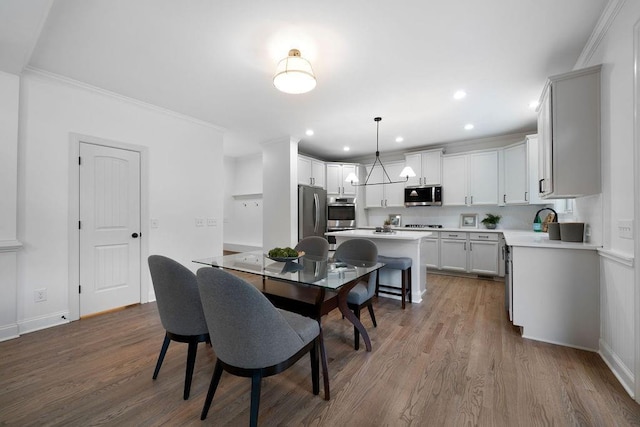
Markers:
point(110, 208)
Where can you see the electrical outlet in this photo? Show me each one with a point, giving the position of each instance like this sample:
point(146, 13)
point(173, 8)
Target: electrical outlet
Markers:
point(625, 229)
point(199, 222)
point(155, 223)
point(40, 295)
point(211, 222)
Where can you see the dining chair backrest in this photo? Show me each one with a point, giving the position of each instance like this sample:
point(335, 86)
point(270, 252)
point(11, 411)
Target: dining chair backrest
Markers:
point(315, 246)
point(247, 331)
point(177, 296)
point(359, 252)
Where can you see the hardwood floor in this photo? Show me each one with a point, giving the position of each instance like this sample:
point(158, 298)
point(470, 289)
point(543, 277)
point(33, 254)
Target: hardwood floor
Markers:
point(452, 360)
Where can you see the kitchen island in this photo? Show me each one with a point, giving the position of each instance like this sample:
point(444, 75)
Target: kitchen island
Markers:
point(396, 244)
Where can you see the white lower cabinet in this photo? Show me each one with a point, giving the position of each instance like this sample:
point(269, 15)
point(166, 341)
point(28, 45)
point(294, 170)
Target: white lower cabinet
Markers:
point(431, 247)
point(453, 251)
point(484, 253)
point(470, 252)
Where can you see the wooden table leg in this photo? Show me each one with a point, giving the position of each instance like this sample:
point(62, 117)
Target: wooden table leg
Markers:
point(344, 309)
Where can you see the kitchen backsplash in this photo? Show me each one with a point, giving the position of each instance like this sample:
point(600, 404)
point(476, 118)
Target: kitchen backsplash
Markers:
point(513, 217)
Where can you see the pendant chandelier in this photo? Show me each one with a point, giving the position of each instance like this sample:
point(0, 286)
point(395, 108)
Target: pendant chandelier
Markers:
point(406, 173)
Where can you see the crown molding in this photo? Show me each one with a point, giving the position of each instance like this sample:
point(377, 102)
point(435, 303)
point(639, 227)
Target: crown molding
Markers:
point(599, 31)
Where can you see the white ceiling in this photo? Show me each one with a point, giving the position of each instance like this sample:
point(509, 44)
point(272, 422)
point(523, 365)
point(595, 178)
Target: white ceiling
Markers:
point(214, 60)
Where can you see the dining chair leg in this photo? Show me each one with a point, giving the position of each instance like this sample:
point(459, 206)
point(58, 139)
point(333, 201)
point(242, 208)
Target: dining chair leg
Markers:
point(315, 366)
point(373, 316)
point(356, 332)
point(191, 361)
point(163, 351)
point(215, 379)
point(256, 380)
point(325, 367)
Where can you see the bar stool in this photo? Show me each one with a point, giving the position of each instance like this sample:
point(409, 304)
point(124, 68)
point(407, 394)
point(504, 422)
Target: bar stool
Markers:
point(396, 263)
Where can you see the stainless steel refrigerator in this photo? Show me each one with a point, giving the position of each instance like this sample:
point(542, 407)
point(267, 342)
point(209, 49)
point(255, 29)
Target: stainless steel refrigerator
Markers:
point(312, 211)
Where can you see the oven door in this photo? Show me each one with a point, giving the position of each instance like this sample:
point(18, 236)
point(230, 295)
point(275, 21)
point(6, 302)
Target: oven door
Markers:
point(341, 216)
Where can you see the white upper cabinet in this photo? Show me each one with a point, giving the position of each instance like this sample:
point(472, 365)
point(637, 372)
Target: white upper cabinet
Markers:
point(569, 135)
point(532, 163)
point(454, 180)
point(470, 179)
point(385, 195)
point(336, 175)
point(311, 172)
point(428, 167)
point(516, 182)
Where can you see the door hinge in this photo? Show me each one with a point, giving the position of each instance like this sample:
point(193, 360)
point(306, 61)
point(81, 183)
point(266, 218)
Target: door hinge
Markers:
point(79, 160)
point(79, 289)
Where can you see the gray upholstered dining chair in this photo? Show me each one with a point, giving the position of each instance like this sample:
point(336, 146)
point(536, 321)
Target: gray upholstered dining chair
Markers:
point(360, 252)
point(180, 310)
point(252, 338)
point(314, 246)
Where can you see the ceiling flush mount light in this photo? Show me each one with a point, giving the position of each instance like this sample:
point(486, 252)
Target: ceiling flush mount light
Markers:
point(294, 74)
point(309, 132)
point(468, 126)
point(406, 173)
point(346, 148)
point(399, 139)
point(533, 105)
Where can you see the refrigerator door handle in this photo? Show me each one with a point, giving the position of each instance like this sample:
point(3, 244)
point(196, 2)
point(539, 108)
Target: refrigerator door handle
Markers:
point(316, 217)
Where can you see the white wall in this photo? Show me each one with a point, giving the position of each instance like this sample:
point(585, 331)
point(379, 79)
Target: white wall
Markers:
point(185, 178)
point(615, 51)
point(9, 113)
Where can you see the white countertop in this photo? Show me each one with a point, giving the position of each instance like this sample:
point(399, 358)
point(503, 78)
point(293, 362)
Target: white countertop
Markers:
point(371, 234)
point(541, 240)
point(430, 230)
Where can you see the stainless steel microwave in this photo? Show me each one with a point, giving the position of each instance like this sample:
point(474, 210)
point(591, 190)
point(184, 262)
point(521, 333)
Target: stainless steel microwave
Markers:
point(423, 196)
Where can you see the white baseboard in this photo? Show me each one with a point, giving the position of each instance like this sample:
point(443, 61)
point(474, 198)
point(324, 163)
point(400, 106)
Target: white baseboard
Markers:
point(43, 322)
point(621, 372)
point(9, 332)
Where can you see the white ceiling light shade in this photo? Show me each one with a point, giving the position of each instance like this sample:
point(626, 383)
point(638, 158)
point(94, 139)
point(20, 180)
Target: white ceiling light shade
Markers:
point(294, 74)
point(468, 126)
point(406, 173)
point(459, 94)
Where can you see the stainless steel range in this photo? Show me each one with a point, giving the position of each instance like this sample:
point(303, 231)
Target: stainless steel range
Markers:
point(423, 225)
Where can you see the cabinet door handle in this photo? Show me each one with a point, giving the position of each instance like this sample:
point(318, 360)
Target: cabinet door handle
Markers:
point(483, 237)
point(470, 246)
point(465, 200)
point(465, 246)
point(526, 196)
point(504, 198)
point(540, 185)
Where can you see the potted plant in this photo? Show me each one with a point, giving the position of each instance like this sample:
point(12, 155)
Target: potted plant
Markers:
point(491, 221)
point(387, 225)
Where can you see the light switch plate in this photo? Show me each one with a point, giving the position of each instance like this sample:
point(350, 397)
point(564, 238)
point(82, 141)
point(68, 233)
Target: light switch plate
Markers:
point(625, 229)
point(211, 222)
point(199, 222)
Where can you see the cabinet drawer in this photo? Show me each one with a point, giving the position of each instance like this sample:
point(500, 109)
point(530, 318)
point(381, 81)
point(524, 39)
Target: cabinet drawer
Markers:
point(489, 237)
point(459, 235)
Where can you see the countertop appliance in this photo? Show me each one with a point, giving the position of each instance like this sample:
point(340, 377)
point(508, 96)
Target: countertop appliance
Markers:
point(423, 225)
point(312, 211)
point(430, 195)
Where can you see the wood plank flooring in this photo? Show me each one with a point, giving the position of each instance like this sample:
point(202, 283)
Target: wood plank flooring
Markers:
point(452, 360)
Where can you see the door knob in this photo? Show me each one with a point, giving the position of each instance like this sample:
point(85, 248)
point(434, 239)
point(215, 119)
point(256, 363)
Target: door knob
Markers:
point(134, 235)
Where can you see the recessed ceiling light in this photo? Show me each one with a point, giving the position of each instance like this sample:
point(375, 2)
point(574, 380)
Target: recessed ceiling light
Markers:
point(533, 105)
point(346, 148)
point(399, 139)
point(309, 132)
point(459, 94)
point(468, 126)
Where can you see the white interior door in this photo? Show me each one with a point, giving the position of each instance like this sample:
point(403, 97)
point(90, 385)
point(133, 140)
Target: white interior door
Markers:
point(109, 228)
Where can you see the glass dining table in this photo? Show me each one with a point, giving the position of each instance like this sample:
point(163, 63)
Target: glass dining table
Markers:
point(309, 271)
point(328, 281)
